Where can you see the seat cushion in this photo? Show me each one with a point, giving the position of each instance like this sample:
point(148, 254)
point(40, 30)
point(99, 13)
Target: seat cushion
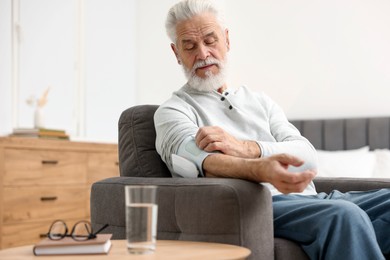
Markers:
point(286, 249)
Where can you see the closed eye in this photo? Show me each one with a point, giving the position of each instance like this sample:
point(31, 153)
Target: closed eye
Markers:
point(210, 40)
point(189, 46)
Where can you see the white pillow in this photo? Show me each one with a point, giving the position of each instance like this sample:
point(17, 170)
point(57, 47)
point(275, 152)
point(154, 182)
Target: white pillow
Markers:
point(357, 163)
point(382, 166)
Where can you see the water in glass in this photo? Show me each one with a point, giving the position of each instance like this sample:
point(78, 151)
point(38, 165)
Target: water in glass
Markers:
point(141, 219)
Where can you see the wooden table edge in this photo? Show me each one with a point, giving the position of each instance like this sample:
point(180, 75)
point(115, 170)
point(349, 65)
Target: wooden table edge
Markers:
point(181, 250)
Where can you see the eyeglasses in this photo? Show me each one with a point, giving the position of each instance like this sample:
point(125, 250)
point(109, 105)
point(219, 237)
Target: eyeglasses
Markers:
point(81, 231)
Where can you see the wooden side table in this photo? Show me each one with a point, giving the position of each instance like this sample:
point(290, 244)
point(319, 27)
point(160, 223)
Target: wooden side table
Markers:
point(165, 249)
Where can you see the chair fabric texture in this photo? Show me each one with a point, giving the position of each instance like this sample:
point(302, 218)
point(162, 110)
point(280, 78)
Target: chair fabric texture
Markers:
point(136, 143)
point(221, 210)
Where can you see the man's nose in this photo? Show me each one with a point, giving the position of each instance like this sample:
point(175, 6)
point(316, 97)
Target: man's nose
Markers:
point(203, 52)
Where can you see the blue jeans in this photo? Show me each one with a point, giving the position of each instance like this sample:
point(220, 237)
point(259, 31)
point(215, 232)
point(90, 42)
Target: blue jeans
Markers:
point(352, 225)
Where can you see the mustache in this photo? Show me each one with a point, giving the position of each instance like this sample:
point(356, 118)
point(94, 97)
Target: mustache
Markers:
point(208, 61)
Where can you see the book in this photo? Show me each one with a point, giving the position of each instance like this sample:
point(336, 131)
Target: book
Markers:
point(40, 133)
point(68, 246)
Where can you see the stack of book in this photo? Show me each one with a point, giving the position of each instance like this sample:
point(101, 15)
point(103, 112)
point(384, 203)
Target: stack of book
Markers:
point(40, 133)
point(67, 246)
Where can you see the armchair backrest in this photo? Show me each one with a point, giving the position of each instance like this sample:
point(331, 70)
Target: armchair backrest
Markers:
point(136, 144)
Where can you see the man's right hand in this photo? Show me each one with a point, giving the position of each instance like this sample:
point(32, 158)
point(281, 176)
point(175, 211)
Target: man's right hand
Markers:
point(273, 169)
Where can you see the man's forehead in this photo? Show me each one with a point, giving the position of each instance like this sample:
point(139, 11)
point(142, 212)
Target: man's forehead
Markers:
point(197, 27)
point(197, 35)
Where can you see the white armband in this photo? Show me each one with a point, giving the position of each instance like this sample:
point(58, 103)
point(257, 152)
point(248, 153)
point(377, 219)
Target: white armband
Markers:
point(189, 159)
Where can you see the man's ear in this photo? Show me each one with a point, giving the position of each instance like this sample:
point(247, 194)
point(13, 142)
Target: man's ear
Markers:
point(227, 39)
point(173, 47)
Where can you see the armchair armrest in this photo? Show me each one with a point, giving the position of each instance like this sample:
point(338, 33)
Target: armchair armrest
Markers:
point(205, 209)
point(326, 184)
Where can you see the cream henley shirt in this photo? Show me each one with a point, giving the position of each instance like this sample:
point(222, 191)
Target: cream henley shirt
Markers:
point(244, 114)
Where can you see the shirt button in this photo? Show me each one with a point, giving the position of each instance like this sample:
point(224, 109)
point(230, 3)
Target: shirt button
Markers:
point(230, 107)
point(226, 93)
point(222, 98)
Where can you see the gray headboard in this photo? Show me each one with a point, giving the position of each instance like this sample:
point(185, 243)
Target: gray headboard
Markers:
point(138, 156)
point(346, 134)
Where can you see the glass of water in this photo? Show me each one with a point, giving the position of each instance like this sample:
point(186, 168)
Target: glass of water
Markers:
point(141, 219)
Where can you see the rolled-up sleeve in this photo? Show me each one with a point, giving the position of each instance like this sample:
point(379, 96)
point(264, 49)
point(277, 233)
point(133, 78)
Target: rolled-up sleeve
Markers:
point(288, 139)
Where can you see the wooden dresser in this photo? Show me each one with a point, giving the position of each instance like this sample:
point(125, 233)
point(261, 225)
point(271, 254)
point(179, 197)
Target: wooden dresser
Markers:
point(44, 180)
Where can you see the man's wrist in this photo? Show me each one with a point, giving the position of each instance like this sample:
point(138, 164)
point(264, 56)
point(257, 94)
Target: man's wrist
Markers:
point(253, 149)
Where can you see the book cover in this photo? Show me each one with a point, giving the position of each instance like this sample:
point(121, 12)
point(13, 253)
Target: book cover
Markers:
point(68, 246)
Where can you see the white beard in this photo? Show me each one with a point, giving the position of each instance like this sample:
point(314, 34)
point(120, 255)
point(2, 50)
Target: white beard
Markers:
point(210, 82)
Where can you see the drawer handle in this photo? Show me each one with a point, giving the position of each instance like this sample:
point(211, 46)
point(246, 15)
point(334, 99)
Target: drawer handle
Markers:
point(48, 198)
point(53, 162)
point(42, 235)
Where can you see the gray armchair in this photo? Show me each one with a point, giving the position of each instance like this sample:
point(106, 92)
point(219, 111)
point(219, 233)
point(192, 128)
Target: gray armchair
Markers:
point(220, 210)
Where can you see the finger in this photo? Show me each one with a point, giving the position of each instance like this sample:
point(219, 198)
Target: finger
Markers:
point(297, 177)
point(289, 159)
point(204, 143)
point(214, 146)
point(200, 135)
point(300, 186)
point(203, 132)
point(208, 140)
point(213, 143)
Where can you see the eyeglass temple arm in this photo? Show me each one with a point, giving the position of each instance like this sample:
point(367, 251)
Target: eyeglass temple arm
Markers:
point(101, 229)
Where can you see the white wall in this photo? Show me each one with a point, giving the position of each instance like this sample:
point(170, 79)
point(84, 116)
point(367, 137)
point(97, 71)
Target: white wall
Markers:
point(5, 65)
point(109, 65)
point(158, 74)
point(46, 58)
point(315, 58)
point(84, 50)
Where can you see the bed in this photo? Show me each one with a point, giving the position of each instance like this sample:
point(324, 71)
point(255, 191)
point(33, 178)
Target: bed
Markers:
point(353, 147)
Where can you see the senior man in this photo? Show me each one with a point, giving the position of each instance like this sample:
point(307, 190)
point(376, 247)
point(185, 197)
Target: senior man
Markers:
point(207, 129)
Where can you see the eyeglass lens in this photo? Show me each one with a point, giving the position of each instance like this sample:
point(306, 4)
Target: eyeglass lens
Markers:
point(82, 230)
point(58, 230)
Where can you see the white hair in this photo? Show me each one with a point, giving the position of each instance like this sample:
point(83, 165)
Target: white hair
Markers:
point(187, 9)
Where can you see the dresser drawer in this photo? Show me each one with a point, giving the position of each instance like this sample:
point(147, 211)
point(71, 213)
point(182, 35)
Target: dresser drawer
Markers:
point(42, 180)
point(45, 202)
point(28, 233)
point(102, 165)
point(40, 167)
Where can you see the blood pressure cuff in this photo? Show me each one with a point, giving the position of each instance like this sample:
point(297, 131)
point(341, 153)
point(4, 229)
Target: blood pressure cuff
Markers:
point(192, 154)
